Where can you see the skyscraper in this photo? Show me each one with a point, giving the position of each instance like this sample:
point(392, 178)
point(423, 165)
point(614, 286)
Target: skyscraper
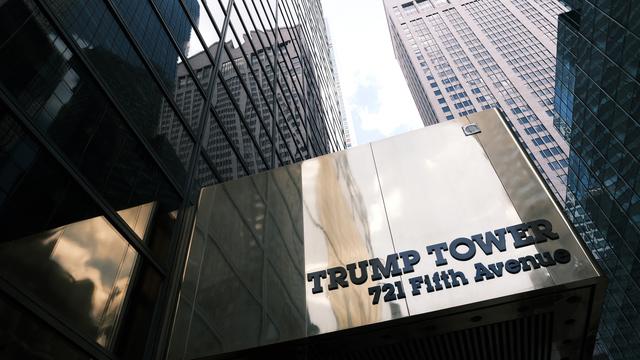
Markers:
point(461, 56)
point(113, 115)
point(349, 135)
point(597, 103)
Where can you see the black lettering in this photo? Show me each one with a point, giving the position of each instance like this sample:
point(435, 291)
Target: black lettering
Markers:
point(427, 283)
point(375, 291)
point(512, 266)
point(543, 230)
point(390, 267)
point(518, 232)
point(363, 272)
point(400, 288)
point(391, 292)
point(491, 241)
point(415, 285)
point(526, 260)
point(315, 277)
point(545, 259)
point(409, 258)
point(445, 279)
point(337, 276)
point(482, 272)
point(562, 256)
point(436, 282)
point(438, 248)
point(453, 249)
point(455, 275)
point(497, 268)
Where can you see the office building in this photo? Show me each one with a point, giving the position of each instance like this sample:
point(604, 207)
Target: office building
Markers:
point(356, 255)
point(349, 135)
point(597, 101)
point(464, 56)
point(113, 115)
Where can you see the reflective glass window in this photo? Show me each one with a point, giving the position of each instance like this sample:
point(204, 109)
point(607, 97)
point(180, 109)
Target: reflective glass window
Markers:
point(56, 245)
point(159, 49)
point(68, 107)
point(126, 77)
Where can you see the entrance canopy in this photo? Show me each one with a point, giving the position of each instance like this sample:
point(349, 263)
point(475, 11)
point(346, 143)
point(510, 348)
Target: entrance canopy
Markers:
point(442, 243)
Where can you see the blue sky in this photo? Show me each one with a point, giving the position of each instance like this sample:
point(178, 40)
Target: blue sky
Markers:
point(377, 100)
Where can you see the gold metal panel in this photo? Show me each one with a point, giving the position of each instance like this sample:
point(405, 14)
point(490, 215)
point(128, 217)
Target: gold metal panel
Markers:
point(445, 188)
point(344, 222)
point(530, 198)
point(257, 241)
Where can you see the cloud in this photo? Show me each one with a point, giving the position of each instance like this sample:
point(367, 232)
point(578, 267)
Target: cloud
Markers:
point(376, 95)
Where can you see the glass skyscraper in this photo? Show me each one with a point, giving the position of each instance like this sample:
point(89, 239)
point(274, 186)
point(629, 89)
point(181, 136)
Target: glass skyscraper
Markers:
point(461, 56)
point(113, 115)
point(597, 100)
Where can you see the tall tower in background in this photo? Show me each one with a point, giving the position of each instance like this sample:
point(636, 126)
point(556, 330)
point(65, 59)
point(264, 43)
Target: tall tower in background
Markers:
point(463, 56)
point(349, 134)
point(598, 111)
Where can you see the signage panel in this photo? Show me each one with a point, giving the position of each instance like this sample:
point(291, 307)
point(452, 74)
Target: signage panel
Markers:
point(431, 233)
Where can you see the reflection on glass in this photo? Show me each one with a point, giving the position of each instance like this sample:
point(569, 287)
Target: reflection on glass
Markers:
point(105, 45)
point(252, 253)
point(345, 222)
point(69, 108)
point(81, 270)
point(139, 217)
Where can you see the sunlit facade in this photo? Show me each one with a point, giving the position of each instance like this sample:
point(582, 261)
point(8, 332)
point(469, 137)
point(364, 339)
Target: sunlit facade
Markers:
point(113, 115)
point(461, 56)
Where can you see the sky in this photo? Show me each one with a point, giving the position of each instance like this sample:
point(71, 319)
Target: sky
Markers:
point(377, 100)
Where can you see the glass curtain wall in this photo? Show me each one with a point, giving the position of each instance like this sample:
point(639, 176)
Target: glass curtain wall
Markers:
point(113, 115)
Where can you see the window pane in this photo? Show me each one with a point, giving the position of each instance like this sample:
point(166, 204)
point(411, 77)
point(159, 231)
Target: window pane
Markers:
point(69, 108)
point(111, 53)
point(56, 245)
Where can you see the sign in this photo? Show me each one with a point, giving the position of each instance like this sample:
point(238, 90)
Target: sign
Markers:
point(460, 249)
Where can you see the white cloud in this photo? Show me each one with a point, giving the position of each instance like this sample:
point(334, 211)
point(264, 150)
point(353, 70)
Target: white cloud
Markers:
point(375, 92)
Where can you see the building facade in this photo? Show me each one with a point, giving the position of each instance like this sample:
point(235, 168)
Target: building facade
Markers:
point(349, 135)
point(113, 115)
point(597, 100)
point(356, 255)
point(464, 56)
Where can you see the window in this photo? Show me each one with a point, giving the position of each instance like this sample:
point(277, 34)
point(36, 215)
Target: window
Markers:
point(551, 151)
point(533, 129)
